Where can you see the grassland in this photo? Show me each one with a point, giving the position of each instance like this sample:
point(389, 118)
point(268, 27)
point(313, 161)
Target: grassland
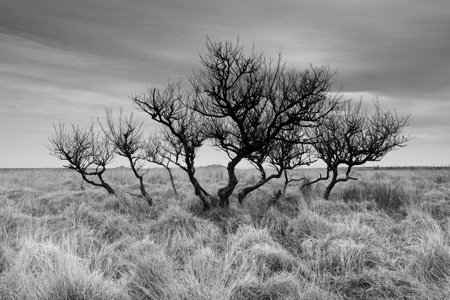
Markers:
point(385, 236)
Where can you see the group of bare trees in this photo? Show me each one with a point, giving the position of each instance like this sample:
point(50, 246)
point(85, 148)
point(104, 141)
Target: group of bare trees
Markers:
point(252, 108)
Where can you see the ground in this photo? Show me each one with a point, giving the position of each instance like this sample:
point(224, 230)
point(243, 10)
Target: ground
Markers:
point(385, 236)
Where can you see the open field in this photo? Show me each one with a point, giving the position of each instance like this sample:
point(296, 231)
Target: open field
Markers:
point(385, 236)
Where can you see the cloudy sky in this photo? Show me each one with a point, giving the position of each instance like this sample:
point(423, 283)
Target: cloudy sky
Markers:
point(66, 60)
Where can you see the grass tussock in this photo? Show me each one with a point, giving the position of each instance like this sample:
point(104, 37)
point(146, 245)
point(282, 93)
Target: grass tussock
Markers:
point(344, 255)
point(228, 219)
point(431, 265)
point(180, 232)
point(307, 225)
point(207, 275)
point(153, 278)
point(275, 222)
point(42, 270)
point(419, 228)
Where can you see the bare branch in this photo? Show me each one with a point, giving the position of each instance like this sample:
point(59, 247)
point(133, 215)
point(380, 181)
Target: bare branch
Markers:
point(248, 101)
point(352, 136)
point(157, 153)
point(125, 134)
point(181, 135)
point(86, 152)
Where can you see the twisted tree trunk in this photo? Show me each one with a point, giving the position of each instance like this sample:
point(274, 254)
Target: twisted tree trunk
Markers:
point(225, 192)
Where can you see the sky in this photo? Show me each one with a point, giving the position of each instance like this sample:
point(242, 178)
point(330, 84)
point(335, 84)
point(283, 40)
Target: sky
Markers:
point(67, 60)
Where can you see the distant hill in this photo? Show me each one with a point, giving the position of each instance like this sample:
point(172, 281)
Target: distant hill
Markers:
point(121, 168)
point(215, 167)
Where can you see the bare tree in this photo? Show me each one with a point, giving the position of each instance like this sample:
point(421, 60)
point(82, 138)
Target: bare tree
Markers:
point(352, 136)
point(181, 130)
point(157, 153)
point(246, 101)
point(86, 152)
point(288, 151)
point(126, 135)
point(295, 155)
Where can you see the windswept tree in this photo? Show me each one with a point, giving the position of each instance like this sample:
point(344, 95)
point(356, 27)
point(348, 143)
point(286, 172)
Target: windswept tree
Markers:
point(87, 152)
point(294, 151)
point(288, 151)
point(182, 134)
point(352, 136)
point(156, 152)
point(246, 101)
point(126, 135)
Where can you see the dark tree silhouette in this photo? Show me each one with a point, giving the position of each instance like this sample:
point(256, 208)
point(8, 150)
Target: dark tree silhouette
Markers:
point(181, 132)
point(352, 136)
point(126, 135)
point(246, 101)
point(157, 153)
point(289, 151)
point(86, 152)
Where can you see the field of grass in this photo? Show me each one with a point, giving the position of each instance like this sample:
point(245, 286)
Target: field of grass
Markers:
point(385, 236)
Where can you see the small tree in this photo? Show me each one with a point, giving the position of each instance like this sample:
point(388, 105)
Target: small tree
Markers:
point(246, 102)
point(87, 152)
point(156, 153)
point(352, 136)
point(289, 151)
point(126, 136)
point(181, 132)
point(298, 154)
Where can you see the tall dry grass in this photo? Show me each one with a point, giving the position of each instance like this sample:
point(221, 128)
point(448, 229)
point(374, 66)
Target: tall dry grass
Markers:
point(385, 236)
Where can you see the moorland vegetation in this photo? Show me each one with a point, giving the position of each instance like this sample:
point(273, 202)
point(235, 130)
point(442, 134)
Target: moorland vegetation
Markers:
point(385, 236)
